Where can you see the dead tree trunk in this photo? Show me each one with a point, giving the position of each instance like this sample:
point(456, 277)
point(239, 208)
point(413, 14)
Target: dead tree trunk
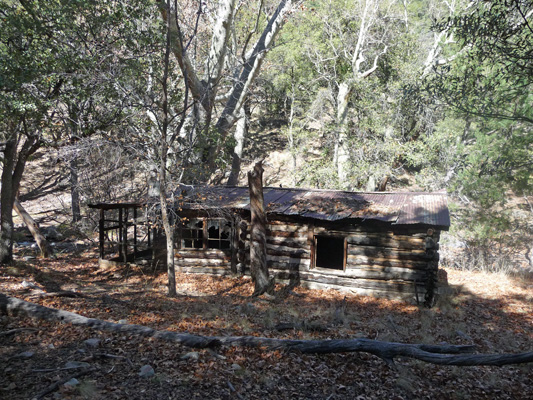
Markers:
point(258, 245)
point(434, 354)
point(34, 229)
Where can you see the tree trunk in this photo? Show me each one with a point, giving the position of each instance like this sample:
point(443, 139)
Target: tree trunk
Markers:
point(33, 226)
point(341, 155)
point(7, 199)
point(75, 190)
point(436, 354)
point(241, 131)
point(163, 180)
point(258, 245)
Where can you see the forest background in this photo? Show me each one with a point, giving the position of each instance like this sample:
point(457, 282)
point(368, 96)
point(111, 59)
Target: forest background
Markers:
point(110, 100)
point(354, 95)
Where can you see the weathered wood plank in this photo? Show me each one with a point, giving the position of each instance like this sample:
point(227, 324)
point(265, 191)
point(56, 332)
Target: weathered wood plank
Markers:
point(286, 234)
point(386, 262)
point(371, 284)
point(289, 242)
point(387, 273)
point(206, 270)
point(273, 248)
point(387, 242)
point(203, 262)
point(211, 253)
point(368, 229)
point(371, 251)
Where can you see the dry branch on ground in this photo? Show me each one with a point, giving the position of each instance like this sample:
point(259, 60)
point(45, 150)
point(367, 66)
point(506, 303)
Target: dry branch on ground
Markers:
point(435, 354)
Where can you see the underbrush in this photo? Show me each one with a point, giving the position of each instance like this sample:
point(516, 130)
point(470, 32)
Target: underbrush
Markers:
point(482, 260)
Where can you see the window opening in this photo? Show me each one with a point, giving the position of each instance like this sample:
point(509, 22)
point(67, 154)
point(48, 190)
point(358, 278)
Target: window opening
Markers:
point(218, 234)
point(329, 252)
point(192, 234)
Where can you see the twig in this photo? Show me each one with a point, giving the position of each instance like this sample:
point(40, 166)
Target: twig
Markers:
point(105, 355)
point(64, 293)
point(58, 369)
point(232, 388)
point(13, 331)
point(53, 387)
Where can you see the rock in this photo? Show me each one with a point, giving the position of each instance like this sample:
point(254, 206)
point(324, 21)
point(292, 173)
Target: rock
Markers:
point(236, 367)
point(25, 354)
point(463, 335)
point(93, 343)
point(123, 321)
point(72, 383)
point(77, 364)
point(28, 285)
point(146, 371)
point(193, 355)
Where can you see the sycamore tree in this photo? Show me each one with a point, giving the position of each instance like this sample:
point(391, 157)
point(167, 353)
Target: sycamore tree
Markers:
point(351, 57)
point(220, 48)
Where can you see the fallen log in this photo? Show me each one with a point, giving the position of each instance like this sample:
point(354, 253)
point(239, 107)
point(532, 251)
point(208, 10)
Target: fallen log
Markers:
point(435, 354)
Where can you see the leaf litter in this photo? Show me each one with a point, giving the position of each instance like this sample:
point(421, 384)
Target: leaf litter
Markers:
point(494, 313)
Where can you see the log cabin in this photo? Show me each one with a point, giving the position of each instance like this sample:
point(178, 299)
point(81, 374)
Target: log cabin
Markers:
point(379, 243)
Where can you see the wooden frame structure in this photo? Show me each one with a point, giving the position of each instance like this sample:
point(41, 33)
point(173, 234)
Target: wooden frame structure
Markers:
point(119, 228)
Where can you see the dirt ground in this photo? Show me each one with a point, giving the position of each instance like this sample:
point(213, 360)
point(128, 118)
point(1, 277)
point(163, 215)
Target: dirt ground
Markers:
point(493, 312)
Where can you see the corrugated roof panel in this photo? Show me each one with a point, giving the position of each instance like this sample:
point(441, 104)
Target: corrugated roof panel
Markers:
point(398, 208)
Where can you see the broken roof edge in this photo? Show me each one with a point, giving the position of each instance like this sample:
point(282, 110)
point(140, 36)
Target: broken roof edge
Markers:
point(427, 209)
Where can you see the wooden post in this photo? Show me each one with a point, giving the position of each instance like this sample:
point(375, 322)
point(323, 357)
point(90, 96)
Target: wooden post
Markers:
point(134, 233)
point(258, 247)
point(101, 232)
point(234, 244)
point(125, 235)
point(241, 258)
point(431, 269)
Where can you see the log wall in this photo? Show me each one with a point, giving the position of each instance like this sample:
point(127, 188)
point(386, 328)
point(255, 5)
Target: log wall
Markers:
point(382, 261)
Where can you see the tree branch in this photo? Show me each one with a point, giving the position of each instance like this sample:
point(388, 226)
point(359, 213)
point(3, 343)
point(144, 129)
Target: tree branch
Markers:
point(434, 354)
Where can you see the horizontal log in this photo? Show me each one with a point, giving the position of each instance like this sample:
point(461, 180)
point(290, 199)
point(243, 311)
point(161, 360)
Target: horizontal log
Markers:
point(288, 242)
point(288, 251)
point(288, 260)
point(206, 270)
point(385, 262)
point(367, 229)
point(202, 262)
point(210, 253)
point(324, 277)
point(287, 266)
point(273, 227)
point(436, 354)
point(387, 242)
point(393, 254)
point(380, 273)
point(283, 234)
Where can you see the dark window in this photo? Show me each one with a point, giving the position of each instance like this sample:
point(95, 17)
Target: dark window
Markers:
point(192, 234)
point(218, 234)
point(329, 252)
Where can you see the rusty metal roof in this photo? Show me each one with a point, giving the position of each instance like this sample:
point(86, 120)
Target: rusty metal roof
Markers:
point(330, 205)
